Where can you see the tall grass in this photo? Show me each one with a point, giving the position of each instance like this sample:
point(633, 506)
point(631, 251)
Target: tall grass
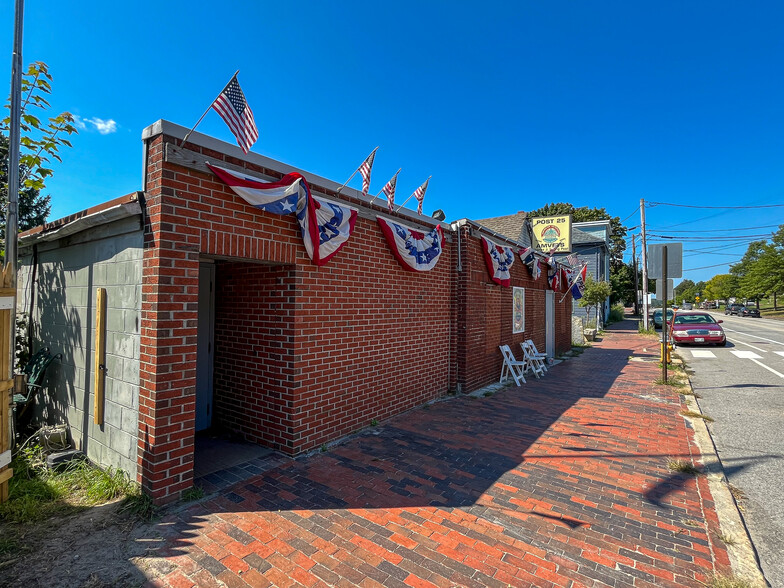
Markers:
point(37, 492)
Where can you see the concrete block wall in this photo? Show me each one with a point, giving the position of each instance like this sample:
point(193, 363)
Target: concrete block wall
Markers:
point(69, 271)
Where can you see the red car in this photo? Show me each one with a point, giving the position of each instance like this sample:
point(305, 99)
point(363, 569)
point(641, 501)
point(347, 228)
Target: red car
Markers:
point(694, 327)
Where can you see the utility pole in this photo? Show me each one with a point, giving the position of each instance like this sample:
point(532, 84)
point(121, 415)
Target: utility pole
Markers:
point(644, 255)
point(636, 279)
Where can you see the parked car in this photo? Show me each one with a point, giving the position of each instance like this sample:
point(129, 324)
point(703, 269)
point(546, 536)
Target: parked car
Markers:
point(746, 311)
point(687, 306)
point(657, 317)
point(732, 308)
point(696, 327)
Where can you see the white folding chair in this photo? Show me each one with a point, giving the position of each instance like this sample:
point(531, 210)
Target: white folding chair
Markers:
point(540, 358)
point(532, 362)
point(511, 366)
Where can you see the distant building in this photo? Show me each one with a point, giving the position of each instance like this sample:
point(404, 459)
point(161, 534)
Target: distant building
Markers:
point(590, 242)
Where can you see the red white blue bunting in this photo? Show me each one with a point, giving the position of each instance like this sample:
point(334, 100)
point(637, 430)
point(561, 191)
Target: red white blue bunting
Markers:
point(499, 261)
point(324, 223)
point(529, 258)
point(276, 197)
point(416, 251)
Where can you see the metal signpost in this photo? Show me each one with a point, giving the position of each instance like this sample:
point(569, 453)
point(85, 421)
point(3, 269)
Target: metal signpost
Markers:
point(665, 261)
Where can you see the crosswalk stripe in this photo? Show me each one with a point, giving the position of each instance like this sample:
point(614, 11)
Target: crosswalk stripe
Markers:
point(745, 354)
point(702, 353)
point(781, 353)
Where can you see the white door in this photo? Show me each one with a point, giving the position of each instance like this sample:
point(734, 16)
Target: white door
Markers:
point(549, 323)
point(205, 346)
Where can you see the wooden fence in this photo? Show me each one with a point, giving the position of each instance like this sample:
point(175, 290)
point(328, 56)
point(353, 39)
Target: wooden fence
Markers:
point(7, 335)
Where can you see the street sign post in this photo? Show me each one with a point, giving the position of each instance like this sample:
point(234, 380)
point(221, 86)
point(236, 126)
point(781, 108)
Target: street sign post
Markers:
point(674, 260)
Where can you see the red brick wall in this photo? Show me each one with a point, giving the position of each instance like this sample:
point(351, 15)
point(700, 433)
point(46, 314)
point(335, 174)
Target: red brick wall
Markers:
point(304, 355)
point(367, 339)
point(254, 351)
point(487, 321)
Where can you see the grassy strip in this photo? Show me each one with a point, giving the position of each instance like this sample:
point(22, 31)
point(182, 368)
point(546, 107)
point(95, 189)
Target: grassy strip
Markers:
point(37, 493)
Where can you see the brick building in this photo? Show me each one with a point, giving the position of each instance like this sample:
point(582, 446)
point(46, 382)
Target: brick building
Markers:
point(216, 316)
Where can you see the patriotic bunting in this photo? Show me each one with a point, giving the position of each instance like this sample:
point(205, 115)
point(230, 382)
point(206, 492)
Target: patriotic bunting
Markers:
point(416, 251)
point(324, 223)
point(529, 258)
point(553, 274)
point(499, 260)
point(277, 197)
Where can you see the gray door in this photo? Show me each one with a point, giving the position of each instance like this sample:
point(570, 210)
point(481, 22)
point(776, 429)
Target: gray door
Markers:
point(549, 318)
point(205, 346)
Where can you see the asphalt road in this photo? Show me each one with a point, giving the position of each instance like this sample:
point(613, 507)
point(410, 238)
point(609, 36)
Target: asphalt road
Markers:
point(742, 388)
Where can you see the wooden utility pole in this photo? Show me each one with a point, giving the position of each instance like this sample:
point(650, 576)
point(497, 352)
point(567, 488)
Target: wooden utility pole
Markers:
point(644, 255)
point(636, 279)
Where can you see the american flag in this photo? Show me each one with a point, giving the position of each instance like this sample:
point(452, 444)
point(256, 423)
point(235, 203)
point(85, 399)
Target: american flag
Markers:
point(419, 194)
point(573, 260)
point(234, 110)
point(389, 190)
point(365, 169)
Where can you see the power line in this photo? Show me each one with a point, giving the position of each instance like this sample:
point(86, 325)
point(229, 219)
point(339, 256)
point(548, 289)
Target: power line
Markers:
point(718, 230)
point(631, 215)
point(652, 204)
point(709, 266)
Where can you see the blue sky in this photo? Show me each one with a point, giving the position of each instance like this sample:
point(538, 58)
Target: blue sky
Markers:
point(508, 105)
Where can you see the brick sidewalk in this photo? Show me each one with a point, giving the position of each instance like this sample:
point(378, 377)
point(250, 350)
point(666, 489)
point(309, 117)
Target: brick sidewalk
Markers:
point(560, 482)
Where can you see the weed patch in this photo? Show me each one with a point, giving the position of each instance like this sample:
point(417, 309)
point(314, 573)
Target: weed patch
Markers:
point(720, 581)
point(696, 415)
point(682, 466)
point(193, 493)
point(724, 538)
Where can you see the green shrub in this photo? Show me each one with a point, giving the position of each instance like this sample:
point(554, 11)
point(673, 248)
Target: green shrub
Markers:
point(616, 313)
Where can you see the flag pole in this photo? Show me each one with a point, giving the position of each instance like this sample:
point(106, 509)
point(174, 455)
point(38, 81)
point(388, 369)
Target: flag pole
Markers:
point(382, 189)
point(412, 195)
point(355, 171)
point(188, 134)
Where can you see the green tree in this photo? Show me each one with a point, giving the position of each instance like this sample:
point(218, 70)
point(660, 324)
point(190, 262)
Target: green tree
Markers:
point(40, 143)
point(721, 287)
point(594, 296)
point(622, 284)
point(584, 214)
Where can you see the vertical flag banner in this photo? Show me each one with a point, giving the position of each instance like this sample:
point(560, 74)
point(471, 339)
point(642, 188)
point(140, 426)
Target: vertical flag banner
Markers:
point(279, 197)
point(365, 169)
point(234, 110)
point(419, 194)
point(389, 192)
point(528, 257)
point(553, 274)
point(326, 226)
point(416, 251)
point(499, 260)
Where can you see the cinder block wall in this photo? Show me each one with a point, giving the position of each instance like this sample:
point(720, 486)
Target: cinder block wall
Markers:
point(485, 315)
point(69, 271)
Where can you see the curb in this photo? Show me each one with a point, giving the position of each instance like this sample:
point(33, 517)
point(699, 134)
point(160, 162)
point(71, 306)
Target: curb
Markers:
point(743, 555)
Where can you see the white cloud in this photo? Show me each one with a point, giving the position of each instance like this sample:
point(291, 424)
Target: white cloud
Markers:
point(103, 126)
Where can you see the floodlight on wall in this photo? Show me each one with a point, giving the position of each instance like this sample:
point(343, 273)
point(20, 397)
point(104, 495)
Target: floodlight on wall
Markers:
point(439, 215)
